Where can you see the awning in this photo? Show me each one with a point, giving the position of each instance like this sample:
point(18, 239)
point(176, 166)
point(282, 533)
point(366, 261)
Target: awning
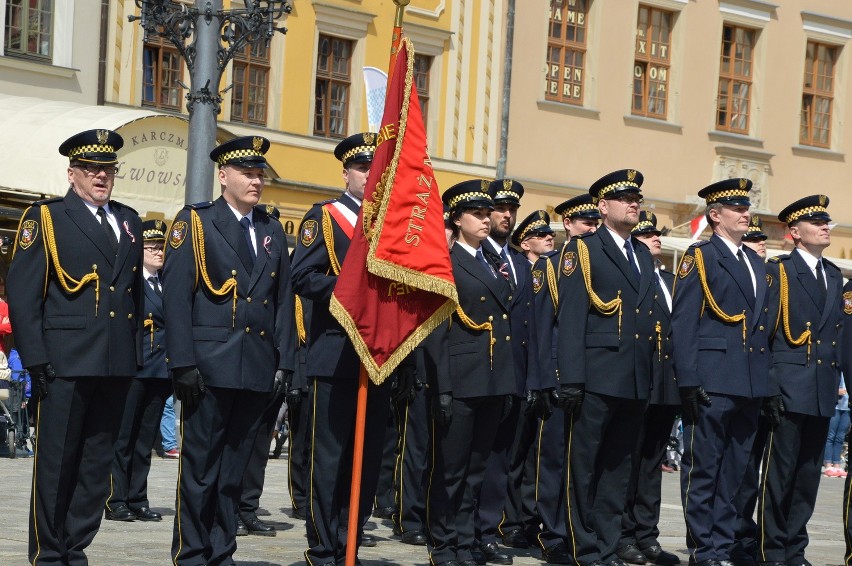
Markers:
point(152, 176)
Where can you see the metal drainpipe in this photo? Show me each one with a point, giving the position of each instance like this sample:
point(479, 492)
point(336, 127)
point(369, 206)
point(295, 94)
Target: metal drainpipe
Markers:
point(507, 89)
point(102, 52)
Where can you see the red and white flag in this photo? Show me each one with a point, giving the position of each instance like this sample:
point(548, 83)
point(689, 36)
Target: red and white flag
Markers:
point(697, 225)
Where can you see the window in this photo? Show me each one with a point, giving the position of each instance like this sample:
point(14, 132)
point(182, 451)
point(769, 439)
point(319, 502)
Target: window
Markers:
point(566, 50)
point(818, 95)
point(651, 66)
point(334, 77)
point(735, 77)
point(422, 65)
point(162, 69)
point(251, 84)
point(29, 29)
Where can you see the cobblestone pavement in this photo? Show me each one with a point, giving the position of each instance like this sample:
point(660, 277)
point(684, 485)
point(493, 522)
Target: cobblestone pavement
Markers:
point(137, 543)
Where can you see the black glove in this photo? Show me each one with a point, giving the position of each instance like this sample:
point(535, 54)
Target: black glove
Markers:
point(773, 410)
point(402, 388)
point(690, 398)
point(280, 385)
point(40, 376)
point(507, 407)
point(571, 397)
point(294, 398)
point(189, 386)
point(442, 409)
point(544, 404)
point(533, 396)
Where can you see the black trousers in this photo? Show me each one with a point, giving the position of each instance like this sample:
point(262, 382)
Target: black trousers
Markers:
point(791, 475)
point(76, 425)
point(460, 453)
point(412, 474)
point(385, 489)
point(745, 547)
point(216, 440)
point(600, 444)
point(253, 477)
point(551, 481)
point(140, 423)
point(642, 514)
point(298, 448)
point(493, 490)
point(715, 458)
point(519, 508)
point(333, 405)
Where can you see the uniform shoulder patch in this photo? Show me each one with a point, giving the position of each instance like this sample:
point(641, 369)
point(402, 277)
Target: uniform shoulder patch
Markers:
point(199, 205)
point(569, 263)
point(584, 235)
point(47, 201)
point(847, 302)
point(686, 265)
point(699, 243)
point(177, 236)
point(28, 233)
point(537, 280)
point(309, 231)
point(324, 202)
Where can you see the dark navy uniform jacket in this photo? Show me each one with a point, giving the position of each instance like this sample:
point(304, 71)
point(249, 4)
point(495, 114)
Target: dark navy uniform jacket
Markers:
point(522, 322)
point(153, 341)
point(664, 389)
point(592, 350)
point(808, 383)
point(460, 355)
point(545, 307)
point(330, 352)
point(78, 336)
point(239, 351)
point(709, 352)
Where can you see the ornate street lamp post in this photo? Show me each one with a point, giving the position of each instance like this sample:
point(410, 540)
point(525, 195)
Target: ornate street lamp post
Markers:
point(216, 35)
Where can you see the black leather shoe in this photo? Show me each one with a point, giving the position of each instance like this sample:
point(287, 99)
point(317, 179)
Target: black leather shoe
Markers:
point(711, 562)
point(615, 562)
point(656, 555)
point(798, 562)
point(120, 513)
point(242, 531)
point(384, 512)
point(298, 514)
point(557, 554)
point(145, 514)
point(632, 555)
point(772, 563)
point(516, 538)
point(416, 538)
point(493, 555)
point(257, 527)
point(469, 563)
point(368, 540)
point(477, 556)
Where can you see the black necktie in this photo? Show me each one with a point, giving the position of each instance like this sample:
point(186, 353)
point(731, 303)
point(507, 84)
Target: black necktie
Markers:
point(246, 224)
point(820, 277)
point(113, 241)
point(506, 269)
point(741, 257)
point(155, 283)
point(631, 259)
point(481, 259)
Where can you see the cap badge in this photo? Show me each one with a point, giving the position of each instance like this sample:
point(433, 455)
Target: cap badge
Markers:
point(369, 138)
point(102, 136)
point(507, 184)
point(822, 199)
point(257, 143)
point(743, 183)
point(483, 185)
point(631, 174)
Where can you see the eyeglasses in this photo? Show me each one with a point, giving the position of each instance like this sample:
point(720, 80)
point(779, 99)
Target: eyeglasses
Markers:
point(629, 199)
point(96, 169)
point(154, 249)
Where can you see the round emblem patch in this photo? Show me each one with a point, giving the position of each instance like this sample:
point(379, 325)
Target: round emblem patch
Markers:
point(569, 263)
point(538, 280)
point(178, 234)
point(309, 232)
point(847, 302)
point(686, 265)
point(29, 232)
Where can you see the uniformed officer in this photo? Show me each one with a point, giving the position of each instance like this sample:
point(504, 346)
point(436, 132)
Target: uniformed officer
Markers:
point(605, 342)
point(333, 366)
point(719, 329)
point(846, 367)
point(580, 215)
point(143, 409)
point(472, 375)
point(227, 271)
point(639, 537)
point(805, 300)
point(755, 238)
point(75, 300)
point(298, 417)
point(534, 236)
point(504, 470)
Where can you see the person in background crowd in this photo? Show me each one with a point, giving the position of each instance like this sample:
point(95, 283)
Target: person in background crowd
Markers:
point(80, 338)
point(755, 238)
point(143, 408)
point(167, 430)
point(837, 429)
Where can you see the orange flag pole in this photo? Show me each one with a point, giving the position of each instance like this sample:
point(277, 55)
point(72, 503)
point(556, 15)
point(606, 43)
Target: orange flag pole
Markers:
point(363, 379)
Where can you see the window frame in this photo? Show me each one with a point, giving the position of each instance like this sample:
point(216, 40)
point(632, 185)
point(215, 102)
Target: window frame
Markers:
point(162, 47)
point(563, 46)
point(732, 77)
point(324, 107)
point(248, 60)
point(815, 93)
point(50, 34)
point(423, 89)
point(648, 60)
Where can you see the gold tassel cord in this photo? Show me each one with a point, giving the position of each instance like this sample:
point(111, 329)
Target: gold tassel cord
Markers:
point(300, 321)
point(711, 302)
point(552, 284)
point(328, 234)
point(659, 329)
point(68, 283)
point(785, 316)
point(467, 321)
point(605, 308)
point(149, 324)
point(230, 284)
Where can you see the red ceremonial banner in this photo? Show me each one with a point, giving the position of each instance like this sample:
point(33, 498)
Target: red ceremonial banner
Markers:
point(396, 283)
